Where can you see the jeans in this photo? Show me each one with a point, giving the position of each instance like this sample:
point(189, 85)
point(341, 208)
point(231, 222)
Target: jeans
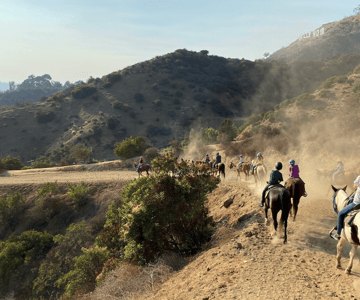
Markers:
point(239, 165)
point(264, 192)
point(336, 174)
point(341, 216)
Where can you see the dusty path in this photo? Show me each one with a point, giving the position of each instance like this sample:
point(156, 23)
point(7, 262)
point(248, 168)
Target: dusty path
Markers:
point(54, 174)
point(247, 263)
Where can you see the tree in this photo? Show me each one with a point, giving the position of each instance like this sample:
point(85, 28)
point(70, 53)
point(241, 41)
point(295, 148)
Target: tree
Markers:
point(131, 147)
point(228, 127)
point(357, 10)
point(209, 135)
point(160, 213)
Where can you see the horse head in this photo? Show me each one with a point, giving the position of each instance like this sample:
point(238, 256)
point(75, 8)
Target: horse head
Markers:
point(231, 165)
point(339, 198)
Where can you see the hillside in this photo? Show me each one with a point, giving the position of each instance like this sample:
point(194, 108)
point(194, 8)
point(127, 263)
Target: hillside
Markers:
point(160, 99)
point(335, 38)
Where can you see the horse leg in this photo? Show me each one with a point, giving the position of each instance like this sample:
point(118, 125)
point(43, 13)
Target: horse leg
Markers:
point(339, 247)
point(295, 207)
point(267, 222)
point(352, 255)
point(274, 215)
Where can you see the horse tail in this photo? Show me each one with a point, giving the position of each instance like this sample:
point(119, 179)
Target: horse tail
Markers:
point(285, 209)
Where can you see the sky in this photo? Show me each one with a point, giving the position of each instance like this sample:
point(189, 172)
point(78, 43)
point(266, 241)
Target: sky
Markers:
point(75, 39)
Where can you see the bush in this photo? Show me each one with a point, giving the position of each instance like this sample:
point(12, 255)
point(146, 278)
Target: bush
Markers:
point(335, 79)
point(117, 105)
point(85, 270)
point(324, 94)
point(130, 147)
point(111, 79)
point(44, 116)
point(18, 251)
point(209, 135)
point(83, 91)
point(160, 213)
point(228, 127)
point(80, 152)
point(9, 205)
point(252, 120)
point(151, 153)
point(157, 102)
point(43, 162)
point(48, 188)
point(78, 193)
point(60, 261)
point(112, 122)
point(304, 99)
point(139, 97)
point(11, 163)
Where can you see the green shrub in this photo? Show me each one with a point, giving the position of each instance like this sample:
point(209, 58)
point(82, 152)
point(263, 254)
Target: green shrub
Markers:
point(252, 120)
point(43, 162)
point(151, 153)
point(83, 91)
point(269, 116)
point(111, 78)
point(227, 127)
point(86, 268)
point(304, 99)
point(48, 188)
point(117, 105)
point(25, 168)
point(78, 193)
point(209, 135)
point(324, 93)
point(130, 147)
point(160, 213)
point(356, 89)
point(335, 79)
point(340, 79)
point(9, 205)
point(80, 152)
point(44, 116)
point(18, 251)
point(60, 261)
point(11, 163)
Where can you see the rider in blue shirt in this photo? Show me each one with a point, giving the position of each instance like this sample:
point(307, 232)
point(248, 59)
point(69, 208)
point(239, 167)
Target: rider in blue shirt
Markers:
point(218, 160)
point(275, 178)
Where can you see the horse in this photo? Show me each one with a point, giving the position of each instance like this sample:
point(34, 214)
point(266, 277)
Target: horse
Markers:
point(244, 167)
point(219, 168)
point(278, 198)
point(296, 188)
point(260, 173)
point(143, 168)
point(349, 233)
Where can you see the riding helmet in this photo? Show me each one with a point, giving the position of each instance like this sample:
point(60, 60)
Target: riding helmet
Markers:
point(207, 155)
point(240, 155)
point(258, 155)
point(292, 162)
point(217, 153)
point(278, 166)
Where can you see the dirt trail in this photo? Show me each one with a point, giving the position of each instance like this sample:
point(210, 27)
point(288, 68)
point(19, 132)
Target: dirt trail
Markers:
point(245, 262)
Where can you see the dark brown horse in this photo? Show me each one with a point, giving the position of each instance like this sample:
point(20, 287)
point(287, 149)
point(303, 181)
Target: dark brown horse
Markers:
point(143, 168)
point(220, 168)
point(296, 188)
point(278, 198)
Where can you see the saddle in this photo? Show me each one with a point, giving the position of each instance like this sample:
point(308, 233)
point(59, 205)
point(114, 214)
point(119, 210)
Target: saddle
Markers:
point(271, 187)
point(349, 221)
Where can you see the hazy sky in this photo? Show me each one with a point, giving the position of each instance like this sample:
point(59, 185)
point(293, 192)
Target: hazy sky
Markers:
point(75, 39)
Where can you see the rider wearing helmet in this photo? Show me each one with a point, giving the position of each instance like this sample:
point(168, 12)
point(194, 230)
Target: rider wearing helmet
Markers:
point(241, 161)
point(217, 161)
point(275, 178)
point(207, 159)
point(259, 160)
point(339, 171)
point(350, 207)
point(294, 172)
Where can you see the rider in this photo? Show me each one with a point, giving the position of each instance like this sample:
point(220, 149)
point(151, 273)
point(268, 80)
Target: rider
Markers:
point(207, 159)
point(294, 172)
point(217, 160)
point(140, 164)
point(342, 214)
point(241, 161)
point(339, 170)
point(275, 178)
point(259, 160)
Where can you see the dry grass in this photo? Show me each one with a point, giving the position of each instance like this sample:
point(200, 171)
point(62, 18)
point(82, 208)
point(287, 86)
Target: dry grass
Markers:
point(133, 282)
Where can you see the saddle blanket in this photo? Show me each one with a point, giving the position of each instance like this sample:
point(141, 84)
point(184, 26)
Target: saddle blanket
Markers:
point(272, 187)
point(349, 219)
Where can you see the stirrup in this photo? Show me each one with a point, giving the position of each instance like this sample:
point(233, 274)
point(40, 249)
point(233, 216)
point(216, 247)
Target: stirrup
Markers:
point(331, 231)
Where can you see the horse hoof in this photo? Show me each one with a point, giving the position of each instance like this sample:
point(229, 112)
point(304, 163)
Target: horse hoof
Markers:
point(347, 271)
point(338, 266)
point(267, 222)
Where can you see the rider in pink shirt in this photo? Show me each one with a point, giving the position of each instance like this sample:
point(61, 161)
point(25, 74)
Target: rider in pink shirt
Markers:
point(294, 172)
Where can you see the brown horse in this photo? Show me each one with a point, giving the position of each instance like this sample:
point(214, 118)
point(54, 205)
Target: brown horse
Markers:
point(278, 198)
point(219, 168)
point(143, 168)
point(244, 168)
point(296, 188)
